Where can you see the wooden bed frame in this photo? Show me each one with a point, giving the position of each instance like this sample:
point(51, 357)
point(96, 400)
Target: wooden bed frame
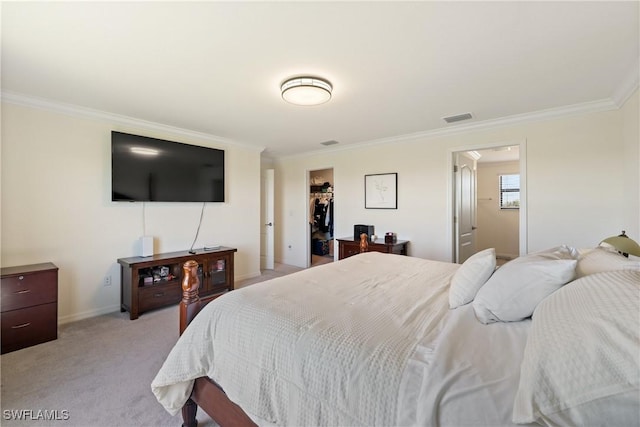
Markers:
point(206, 394)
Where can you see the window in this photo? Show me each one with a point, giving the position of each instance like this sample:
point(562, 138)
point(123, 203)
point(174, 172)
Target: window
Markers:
point(509, 191)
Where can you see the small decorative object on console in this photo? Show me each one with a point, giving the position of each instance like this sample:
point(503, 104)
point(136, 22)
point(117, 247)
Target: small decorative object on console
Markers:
point(390, 237)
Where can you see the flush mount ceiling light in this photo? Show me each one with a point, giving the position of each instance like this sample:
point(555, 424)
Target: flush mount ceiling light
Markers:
point(306, 91)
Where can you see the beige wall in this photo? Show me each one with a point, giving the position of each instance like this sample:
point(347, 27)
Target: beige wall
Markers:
point(631, 163)
point(582, 184)
point(497, 228)
point(56, 206)
point(582, 173)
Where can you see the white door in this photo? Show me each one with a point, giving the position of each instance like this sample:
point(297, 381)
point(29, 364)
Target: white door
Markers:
point(465, 211)
point(266, 232)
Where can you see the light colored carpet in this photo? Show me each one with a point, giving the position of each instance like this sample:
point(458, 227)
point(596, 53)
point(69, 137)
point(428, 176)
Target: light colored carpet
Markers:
point(98, 372)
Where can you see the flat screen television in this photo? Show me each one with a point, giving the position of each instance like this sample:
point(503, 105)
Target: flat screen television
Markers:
point(147, 169)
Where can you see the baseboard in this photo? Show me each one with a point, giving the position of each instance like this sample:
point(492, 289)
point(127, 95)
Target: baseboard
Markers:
point(106, 310)
point(247, 276)
point(87, 314)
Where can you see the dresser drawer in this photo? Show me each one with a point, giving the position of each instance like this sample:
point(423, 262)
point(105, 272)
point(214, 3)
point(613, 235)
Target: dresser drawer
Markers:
point(379, 248)
point(26, 290)
point(155, 296)
point(349, 249)
point(29, 326)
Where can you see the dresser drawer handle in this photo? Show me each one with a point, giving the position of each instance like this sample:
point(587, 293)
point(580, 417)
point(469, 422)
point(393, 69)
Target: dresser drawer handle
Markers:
point(24, 291)
point(24, 325)
point(20, 277)
point(158, 294)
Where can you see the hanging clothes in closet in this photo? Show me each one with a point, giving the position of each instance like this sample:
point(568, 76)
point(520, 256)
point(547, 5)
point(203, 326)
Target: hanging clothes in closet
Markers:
point(321, 218)
point(322, 210)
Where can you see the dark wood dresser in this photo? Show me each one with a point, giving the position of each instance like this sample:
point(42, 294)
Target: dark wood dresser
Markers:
point(29, 305)
point(348, 247)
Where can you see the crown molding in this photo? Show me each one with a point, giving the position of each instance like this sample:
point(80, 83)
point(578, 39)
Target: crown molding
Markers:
point(517, 119)
point(622, 94)
point(88, 113)
point(628, 86)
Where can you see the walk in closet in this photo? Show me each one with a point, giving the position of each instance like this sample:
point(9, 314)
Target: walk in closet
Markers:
point(321, 215)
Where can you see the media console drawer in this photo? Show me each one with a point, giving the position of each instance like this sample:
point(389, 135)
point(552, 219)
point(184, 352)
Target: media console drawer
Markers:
point(29, 308)
point(156, 296)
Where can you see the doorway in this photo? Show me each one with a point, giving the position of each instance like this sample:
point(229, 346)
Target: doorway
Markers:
point(321, 216)
point(489, 201)
point(267, 218)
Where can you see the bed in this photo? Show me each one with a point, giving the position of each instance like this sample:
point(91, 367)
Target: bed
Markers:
point(383, 339)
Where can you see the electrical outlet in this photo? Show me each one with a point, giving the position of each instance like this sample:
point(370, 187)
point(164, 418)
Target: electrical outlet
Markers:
point(107, 280)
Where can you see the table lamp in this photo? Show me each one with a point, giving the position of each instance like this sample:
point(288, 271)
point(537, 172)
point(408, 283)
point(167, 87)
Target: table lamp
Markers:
point(623, 244)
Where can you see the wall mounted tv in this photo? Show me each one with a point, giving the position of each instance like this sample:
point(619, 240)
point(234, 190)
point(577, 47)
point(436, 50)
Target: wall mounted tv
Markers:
point(147, 169)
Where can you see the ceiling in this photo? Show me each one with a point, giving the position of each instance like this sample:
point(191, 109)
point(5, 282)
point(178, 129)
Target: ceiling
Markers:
point(498, 154)
point(397, 68)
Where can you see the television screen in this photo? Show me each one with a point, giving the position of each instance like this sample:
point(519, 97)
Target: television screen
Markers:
point(147, 169)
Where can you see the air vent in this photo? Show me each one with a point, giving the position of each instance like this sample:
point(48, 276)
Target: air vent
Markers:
point(332, 142)
point(457, 118)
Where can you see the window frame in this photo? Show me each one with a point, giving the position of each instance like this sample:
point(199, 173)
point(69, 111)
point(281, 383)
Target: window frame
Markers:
point(508, 188)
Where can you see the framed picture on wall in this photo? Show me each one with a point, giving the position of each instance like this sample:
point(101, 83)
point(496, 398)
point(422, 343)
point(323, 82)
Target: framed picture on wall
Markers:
point(381, 191)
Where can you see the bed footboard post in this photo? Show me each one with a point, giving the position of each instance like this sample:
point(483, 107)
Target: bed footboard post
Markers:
point(190, 304)
point(364, 243)
point(189, 414)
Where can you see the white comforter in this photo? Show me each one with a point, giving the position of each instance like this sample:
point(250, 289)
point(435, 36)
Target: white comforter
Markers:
point(325, 346)
point(368, 340)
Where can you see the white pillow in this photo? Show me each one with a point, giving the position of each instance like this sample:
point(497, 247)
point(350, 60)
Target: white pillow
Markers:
point(602, 259)
point(580, 364)
point(470, 277)
point(515, 289)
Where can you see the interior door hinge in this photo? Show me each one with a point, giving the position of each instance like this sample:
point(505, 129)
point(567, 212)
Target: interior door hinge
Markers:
point(455, 168)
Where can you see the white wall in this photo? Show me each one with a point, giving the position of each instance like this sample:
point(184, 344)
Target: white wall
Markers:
point(582, 184)
point(56, 206)
point(497, 228)
point(631, 166)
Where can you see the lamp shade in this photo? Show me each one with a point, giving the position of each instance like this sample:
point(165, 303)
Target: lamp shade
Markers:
point(622, 243)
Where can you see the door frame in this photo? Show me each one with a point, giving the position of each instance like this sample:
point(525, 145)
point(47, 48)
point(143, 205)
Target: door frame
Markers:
point(267, 211)
point(451, 199)
point(308, 211)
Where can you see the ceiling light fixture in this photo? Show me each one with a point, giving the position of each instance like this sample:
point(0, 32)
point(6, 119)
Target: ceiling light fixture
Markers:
point(306, 91)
